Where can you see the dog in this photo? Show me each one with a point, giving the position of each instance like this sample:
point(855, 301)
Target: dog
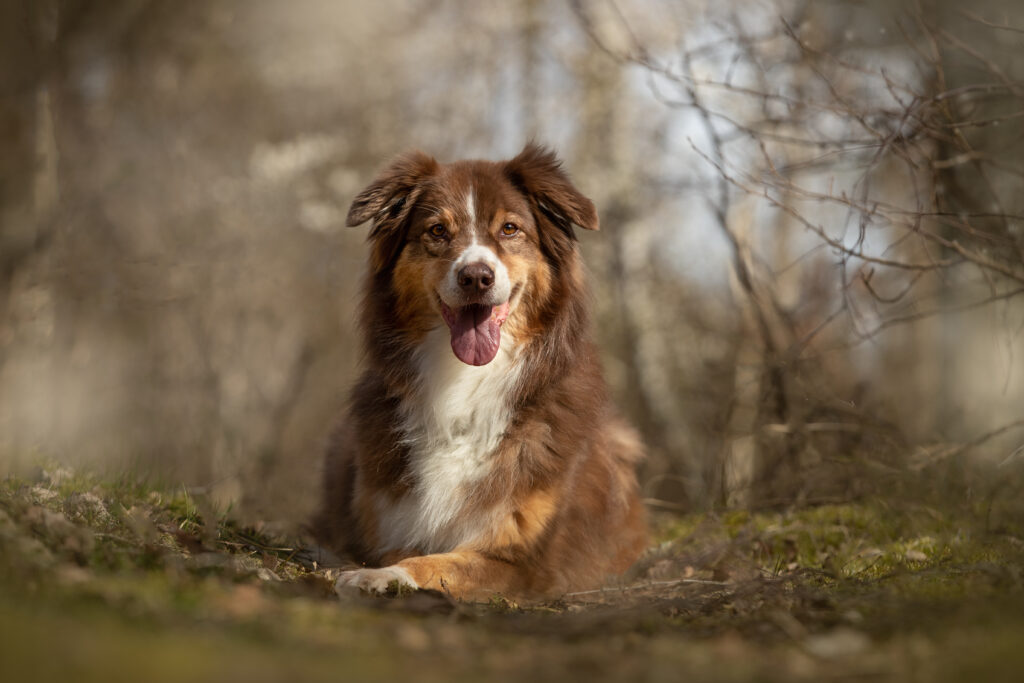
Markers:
point(481, 454)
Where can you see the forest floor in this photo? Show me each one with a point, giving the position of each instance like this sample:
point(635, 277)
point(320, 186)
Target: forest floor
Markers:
point(113, 580)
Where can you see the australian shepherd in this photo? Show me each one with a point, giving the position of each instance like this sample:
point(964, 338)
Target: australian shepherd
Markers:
point(480, 454)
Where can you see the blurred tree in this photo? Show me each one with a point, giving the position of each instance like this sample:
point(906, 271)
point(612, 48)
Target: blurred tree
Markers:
point(812, 232)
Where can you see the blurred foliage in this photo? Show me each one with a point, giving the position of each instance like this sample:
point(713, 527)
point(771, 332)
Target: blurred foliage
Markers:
point(806, 281)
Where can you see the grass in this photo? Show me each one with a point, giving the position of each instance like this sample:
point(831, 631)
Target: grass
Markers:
point(115, 580)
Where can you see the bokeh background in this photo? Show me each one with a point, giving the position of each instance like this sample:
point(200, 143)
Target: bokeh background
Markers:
point(808, 287)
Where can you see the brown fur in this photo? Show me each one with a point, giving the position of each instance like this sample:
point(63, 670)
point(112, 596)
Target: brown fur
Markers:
point(561, 488)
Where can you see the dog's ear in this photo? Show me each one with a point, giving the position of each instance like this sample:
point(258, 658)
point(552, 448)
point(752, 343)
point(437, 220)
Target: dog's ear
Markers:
point(538, 173)
point(388, 200)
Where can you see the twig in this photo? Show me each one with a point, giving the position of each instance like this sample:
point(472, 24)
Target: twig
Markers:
point(648, 585)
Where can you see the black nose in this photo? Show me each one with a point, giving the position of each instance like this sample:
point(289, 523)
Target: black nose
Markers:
point(476, 278)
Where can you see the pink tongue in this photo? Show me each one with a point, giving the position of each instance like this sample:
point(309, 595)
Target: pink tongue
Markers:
point(476, 331)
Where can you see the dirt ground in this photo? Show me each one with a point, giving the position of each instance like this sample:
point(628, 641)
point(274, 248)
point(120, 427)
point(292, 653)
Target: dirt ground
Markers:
point(115, 580)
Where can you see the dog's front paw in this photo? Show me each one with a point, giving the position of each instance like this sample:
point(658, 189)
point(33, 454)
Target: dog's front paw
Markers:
point(393, 579)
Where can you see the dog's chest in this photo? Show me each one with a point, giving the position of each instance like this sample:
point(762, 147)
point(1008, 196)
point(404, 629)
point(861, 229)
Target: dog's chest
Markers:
point(452, 427)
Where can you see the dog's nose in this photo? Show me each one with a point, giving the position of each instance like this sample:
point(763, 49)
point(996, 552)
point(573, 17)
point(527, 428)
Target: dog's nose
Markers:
point(476, 277)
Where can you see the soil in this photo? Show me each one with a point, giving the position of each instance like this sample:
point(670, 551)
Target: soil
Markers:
point(112, 579)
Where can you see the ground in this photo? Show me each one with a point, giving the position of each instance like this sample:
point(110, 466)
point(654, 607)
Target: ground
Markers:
point(109, 580)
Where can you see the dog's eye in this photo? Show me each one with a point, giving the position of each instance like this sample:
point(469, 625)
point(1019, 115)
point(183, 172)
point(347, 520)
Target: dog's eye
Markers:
point(509, 229)
point(437, 230)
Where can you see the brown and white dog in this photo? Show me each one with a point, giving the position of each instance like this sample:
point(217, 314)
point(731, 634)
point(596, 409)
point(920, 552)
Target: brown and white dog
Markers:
point(480, 454)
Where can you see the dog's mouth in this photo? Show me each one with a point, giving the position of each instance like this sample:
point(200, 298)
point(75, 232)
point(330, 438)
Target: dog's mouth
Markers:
point(476, 331)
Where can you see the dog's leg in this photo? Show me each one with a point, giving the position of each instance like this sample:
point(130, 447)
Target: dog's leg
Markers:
point(463, 574)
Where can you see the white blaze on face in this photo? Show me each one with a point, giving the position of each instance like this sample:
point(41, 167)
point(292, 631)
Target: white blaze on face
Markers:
point(471, 208)
point(476, 253)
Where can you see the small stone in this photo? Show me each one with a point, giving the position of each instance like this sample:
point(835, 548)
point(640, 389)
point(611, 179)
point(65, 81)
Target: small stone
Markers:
point(842, 642)
point(266, 575)
point(412, 637)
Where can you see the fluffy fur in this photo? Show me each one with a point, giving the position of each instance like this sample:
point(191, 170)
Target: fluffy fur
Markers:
point(511, 475)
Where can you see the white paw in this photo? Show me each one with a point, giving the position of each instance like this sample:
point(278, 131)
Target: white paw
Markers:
point(373, 580)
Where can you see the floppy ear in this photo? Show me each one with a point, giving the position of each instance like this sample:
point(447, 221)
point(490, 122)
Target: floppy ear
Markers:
point(538, 173)
point(388, 201)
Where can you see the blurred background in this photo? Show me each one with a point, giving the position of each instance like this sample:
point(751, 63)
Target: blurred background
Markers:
point(808, 287)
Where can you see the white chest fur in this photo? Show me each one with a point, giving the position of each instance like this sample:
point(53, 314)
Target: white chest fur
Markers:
point(452, 428)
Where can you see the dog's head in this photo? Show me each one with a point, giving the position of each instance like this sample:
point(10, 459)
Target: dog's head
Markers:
point(473, 243)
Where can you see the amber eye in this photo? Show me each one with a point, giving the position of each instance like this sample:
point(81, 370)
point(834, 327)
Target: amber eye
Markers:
point(437, 230)
point(509, 229)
